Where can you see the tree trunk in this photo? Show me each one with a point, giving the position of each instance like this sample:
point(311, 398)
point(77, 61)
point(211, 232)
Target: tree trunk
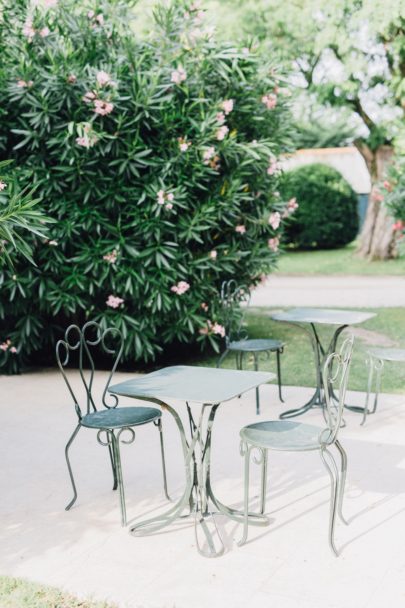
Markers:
point(377, 240)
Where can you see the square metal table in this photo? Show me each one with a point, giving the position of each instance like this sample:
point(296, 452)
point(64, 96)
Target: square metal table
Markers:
point(323, 316)
point(208, 388)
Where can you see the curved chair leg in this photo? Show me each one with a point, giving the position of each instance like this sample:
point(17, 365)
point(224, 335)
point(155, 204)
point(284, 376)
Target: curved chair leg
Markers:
point(263, 485)
point(256, 365)
point(246, 452)
point(222, 357)
point(333, 474)
point(158, 423)
point(69, 443)
point(278, 354)
point(118, 468)
point(342, 481)
point(115, 484)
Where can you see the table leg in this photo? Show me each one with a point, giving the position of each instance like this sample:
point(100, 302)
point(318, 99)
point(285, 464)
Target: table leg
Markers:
point(320, 356)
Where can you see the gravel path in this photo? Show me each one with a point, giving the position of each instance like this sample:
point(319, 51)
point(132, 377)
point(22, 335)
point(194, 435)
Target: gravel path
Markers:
point(347, 291)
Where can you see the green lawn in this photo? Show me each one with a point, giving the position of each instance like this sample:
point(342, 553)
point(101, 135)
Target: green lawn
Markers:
point(336, 261)
point(19, 593)
point(297, 360)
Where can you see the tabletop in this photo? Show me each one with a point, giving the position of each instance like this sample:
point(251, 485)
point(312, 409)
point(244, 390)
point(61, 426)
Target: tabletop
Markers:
point(327, 316)
point(194, 384)
point(388, 354)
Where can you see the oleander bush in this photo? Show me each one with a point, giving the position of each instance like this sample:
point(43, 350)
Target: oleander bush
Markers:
point(158, 159)
point(327, 216)
point(392, 191)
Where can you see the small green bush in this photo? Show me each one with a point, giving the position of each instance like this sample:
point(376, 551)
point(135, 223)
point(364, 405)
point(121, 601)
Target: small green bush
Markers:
point(327, 215)
point(157, 158)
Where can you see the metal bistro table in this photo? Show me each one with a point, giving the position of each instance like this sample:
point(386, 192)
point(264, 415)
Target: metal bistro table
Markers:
point(321, 316)
point(207, 387)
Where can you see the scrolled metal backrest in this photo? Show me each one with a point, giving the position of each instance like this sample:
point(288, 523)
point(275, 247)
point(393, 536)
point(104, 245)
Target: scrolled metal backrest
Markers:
point(232, 296)
point(83, 340)
point(335, 377)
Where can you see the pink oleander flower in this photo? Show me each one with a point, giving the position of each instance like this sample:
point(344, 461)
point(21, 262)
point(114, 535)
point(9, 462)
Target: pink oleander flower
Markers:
point(220, 118)
point(28, 30)
point(103, 78)
point(398, 226)
point(169, 206)
point(53, 243)
point(208, 154)
point(204, 306)
point(89, 96)
point(274, 220)
point(72, 78)
point(274, 243)
point(170, 197)
point(273, 167)
point(213, 254)
point(270, 101)
point(377, 196)
point(44, 32)
point(227, 106)
point(183, 144)
point(111, 257)
point(24, 84)
point(203, 331)
point(88, 140)
point(4, 346)
point(3, 185)
point(161, 197)
point(241, 229)
point(292, 205)
point(114, 301)
point(218, 329)
point(179, 75)
point(13, 350)
point(222, 132)
point(103, 107)
point(180, 288)
point(90, 14)
point(50, 3)
point(387, 185)
point(100, 18)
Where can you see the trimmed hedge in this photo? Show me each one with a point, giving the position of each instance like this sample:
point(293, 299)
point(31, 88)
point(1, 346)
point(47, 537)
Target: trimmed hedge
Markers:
point(327, 215)
point(157, 158)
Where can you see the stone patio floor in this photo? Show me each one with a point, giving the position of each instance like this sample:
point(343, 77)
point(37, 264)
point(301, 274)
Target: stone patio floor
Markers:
point(287, 565)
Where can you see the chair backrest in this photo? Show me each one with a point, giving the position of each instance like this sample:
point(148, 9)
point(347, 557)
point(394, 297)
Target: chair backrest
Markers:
point(335, 377)
point(232, 296)
point(84, 340)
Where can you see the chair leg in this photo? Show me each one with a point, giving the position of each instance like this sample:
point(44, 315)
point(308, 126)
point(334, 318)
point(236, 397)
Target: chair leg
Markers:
point(115, 484)
point(222, 357)
point(369, 387)
point(69, 443)
point(117, 459)
point(278, 354)
point(245, 451)
point(342, 481)
point(263, 485)
point(256, 364)
point(158, 423)
point(333, 474)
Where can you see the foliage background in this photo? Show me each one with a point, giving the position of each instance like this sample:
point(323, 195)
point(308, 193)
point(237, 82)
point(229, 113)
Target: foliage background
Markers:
point(116, 238)
point(327, 216)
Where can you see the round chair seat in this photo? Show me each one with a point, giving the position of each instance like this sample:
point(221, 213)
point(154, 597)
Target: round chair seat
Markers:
point(388, 354)
point(282, 435)
point(118, 417)
point(255, 345)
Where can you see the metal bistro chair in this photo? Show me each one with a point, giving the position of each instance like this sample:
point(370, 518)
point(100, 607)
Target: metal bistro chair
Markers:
point(236, 338)
point(111, 420)
point(290, 436)
point(375, 362)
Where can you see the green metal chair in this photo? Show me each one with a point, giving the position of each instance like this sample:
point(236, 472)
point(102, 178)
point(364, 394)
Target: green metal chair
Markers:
point(109, 419)
point(375, 362)
point(291, 436)
point(236, 338)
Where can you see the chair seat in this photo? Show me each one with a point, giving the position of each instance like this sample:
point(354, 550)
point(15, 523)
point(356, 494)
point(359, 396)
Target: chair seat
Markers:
point(255, 345)
point(115, 418)
point(388, 354)
point(282, 435)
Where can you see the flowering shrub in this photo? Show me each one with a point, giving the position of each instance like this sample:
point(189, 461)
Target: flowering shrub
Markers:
point(157, 158)
point(327, 216)
point(392, 191)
